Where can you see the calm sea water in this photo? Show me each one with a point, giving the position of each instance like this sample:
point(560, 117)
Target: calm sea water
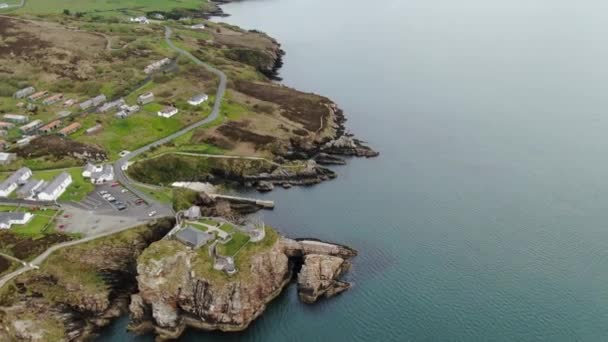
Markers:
point(486, 217)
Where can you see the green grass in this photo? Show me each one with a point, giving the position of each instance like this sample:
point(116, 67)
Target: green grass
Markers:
point(79, 188)
point(86, 6)
point(229, 249)
point(228, 228)
point(164, 195)
point(35, 228)
point(40, 224)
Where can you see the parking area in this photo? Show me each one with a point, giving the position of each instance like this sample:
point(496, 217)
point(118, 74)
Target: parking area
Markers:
point(113, 198)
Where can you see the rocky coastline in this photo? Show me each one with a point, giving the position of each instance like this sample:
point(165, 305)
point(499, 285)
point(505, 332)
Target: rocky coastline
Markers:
point(172, 296)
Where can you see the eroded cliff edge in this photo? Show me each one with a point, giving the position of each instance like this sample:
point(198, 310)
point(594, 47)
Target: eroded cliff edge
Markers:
point(178, 287)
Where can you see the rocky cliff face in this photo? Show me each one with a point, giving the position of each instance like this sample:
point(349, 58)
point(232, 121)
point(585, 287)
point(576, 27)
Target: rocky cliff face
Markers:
point(173, 294)
point(77, 290)
point(176, 290)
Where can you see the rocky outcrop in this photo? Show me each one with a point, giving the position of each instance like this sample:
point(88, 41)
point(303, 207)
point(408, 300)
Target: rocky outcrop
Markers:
point(347, 145)
point(320, 276)
point(78, 290)
point(178, 287)
point(309, 173)
point(174, 292)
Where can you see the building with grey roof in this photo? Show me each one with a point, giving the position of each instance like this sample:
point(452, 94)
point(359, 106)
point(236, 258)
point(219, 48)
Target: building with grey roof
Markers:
point(98, 174)
point(198, 99)
point(14, 180)
point(31, 127)
point(16, 118)
point(25, 92)
point(7, 219)
point(28, 190)
point(55, 188)
point(193, 237)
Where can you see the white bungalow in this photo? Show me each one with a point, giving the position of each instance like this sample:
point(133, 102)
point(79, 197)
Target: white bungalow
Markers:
point(168, 112)
point(198, 99)
point(55, 188)
point(13, 181)
point(9, 219)
point(140, 20)
point(98, 174)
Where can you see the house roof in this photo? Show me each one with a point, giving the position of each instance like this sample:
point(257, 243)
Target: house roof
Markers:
point(106, 171)
point(199, 97)
point(193, 237)
point(146, 95)
point(14, 178)
point(70, 128)
point(56, 183)
point(6, 218)
point(31, 185)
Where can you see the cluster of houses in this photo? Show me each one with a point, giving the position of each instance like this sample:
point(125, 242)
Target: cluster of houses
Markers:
point(98, 174)
point(29, 130)
point(93, 102)
point(30, 94)
point(34, 189)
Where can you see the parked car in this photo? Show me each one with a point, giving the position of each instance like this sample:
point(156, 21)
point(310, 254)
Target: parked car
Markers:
point(124, 191)
point(111, 199)
point(115, 184)
point(103, 192)
point(152, 213)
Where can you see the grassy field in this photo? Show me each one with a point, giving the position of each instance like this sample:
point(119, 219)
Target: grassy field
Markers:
point(87, 6)
point(79, 188)
point(164, 195)
point(41, 223)
point(238, 240)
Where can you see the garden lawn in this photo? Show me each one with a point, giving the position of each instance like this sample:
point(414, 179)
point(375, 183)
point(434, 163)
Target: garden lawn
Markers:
point(79, 188)
point(38, 226)
point(229, 249)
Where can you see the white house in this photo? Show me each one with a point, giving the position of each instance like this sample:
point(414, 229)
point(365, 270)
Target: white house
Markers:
point(168, 112)
point(145, 98)
point(98, 174)
point(13, 181)
point(140, 20)
point(9, 219)
point(198, 99)
point(7, 158)
point(55, 188)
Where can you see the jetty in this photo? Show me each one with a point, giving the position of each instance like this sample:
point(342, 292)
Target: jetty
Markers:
point(235, 199)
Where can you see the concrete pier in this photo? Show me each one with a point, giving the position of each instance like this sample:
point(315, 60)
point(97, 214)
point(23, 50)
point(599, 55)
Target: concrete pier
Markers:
point(235, 199)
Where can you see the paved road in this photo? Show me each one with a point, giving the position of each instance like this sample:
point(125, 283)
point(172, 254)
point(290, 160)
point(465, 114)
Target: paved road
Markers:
point(215, 112)
point(40, 258)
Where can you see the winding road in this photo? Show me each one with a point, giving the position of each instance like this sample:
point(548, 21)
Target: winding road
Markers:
point(215, 112)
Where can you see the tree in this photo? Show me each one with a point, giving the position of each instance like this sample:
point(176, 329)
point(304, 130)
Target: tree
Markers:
point(66, 12)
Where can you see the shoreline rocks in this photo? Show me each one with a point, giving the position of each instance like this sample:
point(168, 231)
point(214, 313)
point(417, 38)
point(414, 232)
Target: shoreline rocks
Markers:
point(174, 295)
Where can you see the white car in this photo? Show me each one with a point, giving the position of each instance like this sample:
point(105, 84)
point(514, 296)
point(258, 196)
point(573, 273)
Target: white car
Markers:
point(124, 190)
point(152, 213)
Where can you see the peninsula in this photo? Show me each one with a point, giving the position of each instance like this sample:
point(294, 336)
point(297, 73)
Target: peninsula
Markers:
point(121, 128)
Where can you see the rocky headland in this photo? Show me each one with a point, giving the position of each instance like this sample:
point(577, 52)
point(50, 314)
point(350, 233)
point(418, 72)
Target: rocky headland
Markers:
point(176, 291)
